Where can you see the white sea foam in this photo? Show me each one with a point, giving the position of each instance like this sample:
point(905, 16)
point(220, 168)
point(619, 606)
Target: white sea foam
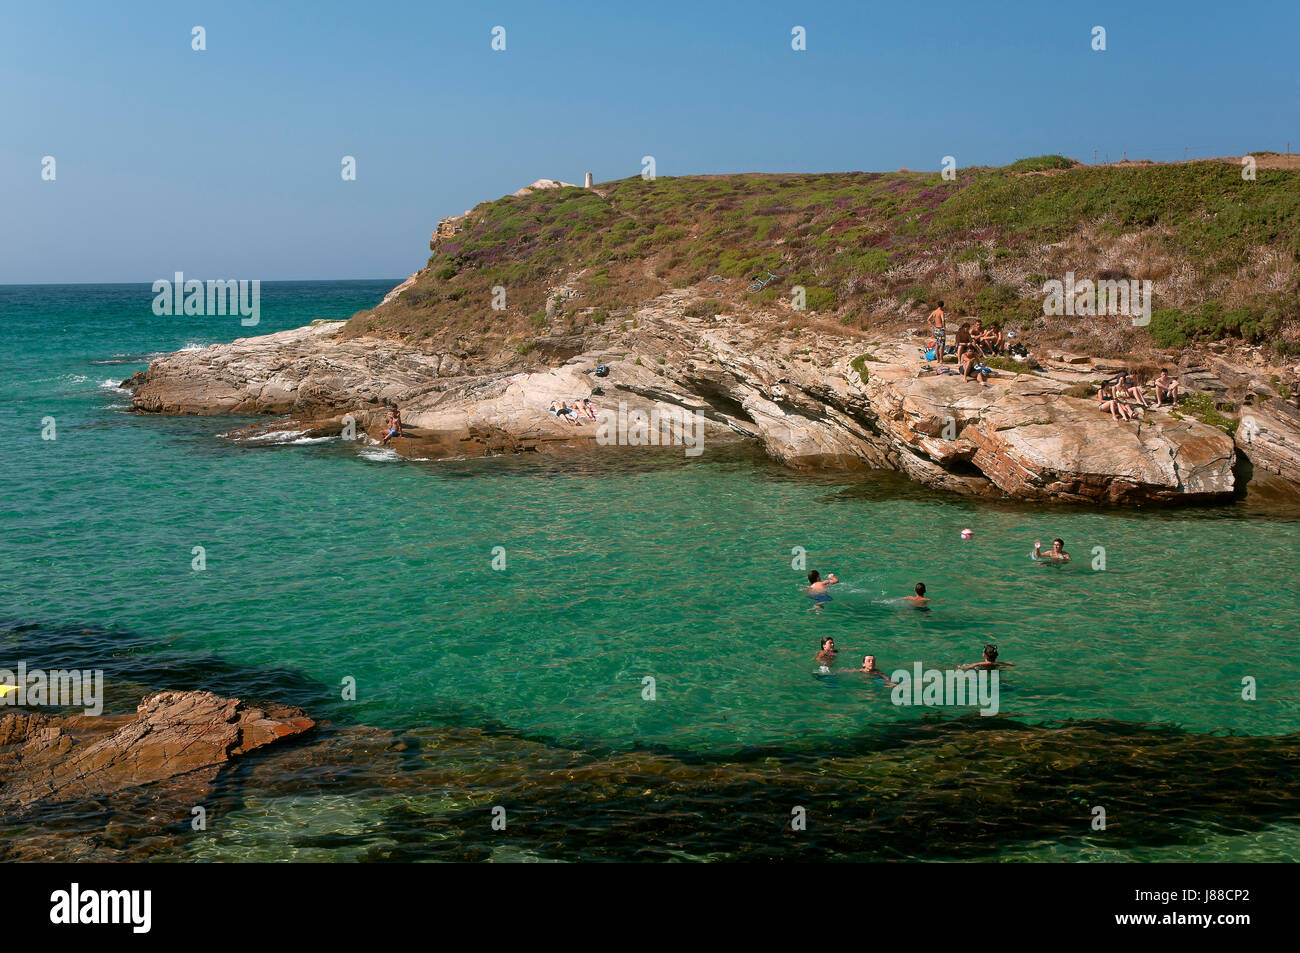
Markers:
point(113, 385)
point(380, 454)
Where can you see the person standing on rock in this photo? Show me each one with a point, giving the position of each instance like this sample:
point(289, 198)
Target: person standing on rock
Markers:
point(940, 331)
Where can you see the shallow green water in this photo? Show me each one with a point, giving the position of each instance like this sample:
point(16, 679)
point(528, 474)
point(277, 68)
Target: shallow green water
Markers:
point(334, 562)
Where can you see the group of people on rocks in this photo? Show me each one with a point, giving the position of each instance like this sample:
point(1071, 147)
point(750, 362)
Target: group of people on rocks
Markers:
point(973, 343)
point(581, 407)
point(1123, 397)
point(1126, 400)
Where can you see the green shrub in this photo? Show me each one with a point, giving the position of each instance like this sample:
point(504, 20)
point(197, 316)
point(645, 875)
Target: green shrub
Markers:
point(859, 364)
point(704, 309)
point(819, 299)
point(1202, 407)
point(1042, 164)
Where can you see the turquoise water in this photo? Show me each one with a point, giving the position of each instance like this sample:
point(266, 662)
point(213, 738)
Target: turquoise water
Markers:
point(337, 562)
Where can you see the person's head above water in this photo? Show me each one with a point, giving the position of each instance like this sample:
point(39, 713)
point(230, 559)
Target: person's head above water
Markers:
point(920, 588)
point(827, 642)
point(869, 662)
point(1058, 545)
point(990, 653)
point(813, 575)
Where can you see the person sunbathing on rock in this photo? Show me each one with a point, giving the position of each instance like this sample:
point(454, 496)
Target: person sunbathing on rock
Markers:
point(989, 662)
point(562, 412)
point(585, 406)
point(1058, 553)
point(1165, 386)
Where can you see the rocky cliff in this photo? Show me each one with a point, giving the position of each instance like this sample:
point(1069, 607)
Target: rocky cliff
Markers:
point(811, 400)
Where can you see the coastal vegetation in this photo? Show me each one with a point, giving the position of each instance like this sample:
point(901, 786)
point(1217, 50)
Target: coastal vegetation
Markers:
point(875, 250)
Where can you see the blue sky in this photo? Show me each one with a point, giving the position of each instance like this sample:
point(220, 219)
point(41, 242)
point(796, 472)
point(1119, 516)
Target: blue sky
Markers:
point(225, 163)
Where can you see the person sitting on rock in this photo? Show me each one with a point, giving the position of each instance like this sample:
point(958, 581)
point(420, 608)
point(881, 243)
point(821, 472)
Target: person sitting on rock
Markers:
point(1165, 386)
point(585, 406)
point(992, 340)
point(1108, 400)
point(969, 361)
point(394, 427)
point(966, 342)
point(1129, 386)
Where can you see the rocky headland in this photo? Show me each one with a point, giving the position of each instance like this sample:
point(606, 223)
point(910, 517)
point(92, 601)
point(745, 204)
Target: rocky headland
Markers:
point(472, 379)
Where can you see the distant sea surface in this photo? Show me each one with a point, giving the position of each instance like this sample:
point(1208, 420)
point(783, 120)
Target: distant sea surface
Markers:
point(332, 563)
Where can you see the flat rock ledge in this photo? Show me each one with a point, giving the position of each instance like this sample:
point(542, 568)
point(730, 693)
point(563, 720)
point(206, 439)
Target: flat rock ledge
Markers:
point(51, 759)
point(820, 401)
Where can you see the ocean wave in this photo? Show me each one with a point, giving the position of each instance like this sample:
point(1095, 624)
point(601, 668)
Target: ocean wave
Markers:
point(380, 454)
point(114, 385)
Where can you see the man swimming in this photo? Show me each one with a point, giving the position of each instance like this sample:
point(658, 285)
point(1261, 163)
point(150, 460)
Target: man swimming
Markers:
point(989, 662)
point(817, 585)
point(869, 668)
point(1058, 553)
point(920, 600)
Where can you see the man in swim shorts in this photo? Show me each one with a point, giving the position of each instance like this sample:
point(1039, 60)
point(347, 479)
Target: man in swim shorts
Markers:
point(989, 662)
point(394, 427)
point(1058, 553)
point(818, 585)
point(939, 328)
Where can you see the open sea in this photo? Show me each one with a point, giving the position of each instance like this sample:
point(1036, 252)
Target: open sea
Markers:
point(637, 681)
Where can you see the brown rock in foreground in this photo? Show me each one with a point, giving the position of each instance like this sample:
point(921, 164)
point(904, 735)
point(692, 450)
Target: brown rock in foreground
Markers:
point(51, 759)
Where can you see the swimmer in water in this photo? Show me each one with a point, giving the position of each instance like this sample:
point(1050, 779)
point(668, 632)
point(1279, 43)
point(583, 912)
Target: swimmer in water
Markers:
point(920, 600)
point(989, 662)
point(869, 668)
point(1058, 553)
point(826, 656)
point(816, 584)
point(817, 589)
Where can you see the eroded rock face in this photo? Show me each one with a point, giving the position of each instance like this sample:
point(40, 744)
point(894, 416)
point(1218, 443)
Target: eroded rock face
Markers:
point(172, 734)
point(1269, 434)
point(806, 402)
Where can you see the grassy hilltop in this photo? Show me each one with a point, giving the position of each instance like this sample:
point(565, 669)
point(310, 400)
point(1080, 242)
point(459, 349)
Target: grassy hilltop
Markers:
point(874, 250)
